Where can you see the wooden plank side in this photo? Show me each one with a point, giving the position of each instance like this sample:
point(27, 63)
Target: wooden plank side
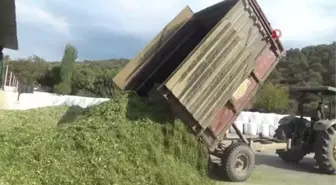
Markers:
point(191, 63)
point(124, 76)
point(221, 75)
point(207, 79)
point(237, 74)
point(228, 60)
point(243, 94)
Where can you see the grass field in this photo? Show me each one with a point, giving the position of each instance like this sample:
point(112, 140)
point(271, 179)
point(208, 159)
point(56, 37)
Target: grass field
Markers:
point(124, 141)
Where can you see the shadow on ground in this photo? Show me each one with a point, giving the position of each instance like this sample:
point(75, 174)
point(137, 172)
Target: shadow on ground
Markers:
point(71, 114)
point(307, 165)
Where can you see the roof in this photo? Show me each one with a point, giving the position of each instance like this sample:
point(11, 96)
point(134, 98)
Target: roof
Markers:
point(8, 33)
point(325, 90)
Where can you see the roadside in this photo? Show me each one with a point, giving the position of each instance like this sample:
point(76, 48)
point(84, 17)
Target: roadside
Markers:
point(270, 169)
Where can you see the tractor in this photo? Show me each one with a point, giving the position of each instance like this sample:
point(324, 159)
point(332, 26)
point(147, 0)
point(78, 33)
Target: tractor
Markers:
point(316, 136)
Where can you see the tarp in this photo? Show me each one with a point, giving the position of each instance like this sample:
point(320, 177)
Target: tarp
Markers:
point(8, 31)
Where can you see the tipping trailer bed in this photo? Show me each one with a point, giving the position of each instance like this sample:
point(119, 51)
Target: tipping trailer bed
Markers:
point(208, 65)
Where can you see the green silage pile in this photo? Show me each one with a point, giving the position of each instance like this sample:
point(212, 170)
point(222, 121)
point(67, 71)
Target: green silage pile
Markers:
point(125, 141)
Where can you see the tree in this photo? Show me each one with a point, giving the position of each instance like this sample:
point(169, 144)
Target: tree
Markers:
point(7, 58)
point(272, 98)
point(28, 71)
point(67, 70)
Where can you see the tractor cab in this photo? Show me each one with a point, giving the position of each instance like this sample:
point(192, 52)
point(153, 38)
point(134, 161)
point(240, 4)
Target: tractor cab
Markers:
point(316, 136)
point(325, 109)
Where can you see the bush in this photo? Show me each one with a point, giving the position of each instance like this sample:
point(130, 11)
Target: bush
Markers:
point(272, 98)
point(62, 88)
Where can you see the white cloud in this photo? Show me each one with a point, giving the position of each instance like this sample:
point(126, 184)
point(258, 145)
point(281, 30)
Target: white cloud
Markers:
point(28, 12)
point(302, 21)
point(52, 23)
point(146, 17)
point(305, 21)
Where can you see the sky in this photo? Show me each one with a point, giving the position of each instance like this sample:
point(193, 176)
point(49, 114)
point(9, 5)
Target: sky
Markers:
point(105, 29)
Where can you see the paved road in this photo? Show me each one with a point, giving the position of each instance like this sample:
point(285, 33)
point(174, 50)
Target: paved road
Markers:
point(271, 170)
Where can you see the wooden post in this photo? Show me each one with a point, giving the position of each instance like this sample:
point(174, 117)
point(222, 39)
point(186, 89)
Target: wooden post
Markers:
point(10, 79)
point(6, 73)
point(17, 86)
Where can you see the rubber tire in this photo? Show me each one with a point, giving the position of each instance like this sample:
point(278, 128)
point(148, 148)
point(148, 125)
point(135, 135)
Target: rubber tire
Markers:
point(325, 142)
point(229, 158)
point(291, 156)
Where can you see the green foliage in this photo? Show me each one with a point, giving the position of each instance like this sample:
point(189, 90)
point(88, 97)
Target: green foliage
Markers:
point(272, 98)
point(123, 141)
point(88, 78)
point(96, 78)
point(29, 70)
point(310, 66)
point(7, 58)
point(50, 78)
point(68, 63)
point(66, 70)
point(62, 88)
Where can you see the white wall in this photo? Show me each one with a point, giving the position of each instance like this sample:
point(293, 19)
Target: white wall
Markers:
point(42, 99)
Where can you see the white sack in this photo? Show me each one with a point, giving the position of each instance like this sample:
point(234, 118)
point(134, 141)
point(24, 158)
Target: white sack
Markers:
point(263, 130)
point(239, 126)
point(250, 129)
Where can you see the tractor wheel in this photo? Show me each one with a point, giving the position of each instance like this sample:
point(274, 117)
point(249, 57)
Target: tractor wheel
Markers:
point(238, 162)
point(325, 151)
point(284, 132)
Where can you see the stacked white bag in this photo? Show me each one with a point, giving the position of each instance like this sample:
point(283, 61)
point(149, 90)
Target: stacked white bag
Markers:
point(242, 119)
point(270, 122)
point(255, 121)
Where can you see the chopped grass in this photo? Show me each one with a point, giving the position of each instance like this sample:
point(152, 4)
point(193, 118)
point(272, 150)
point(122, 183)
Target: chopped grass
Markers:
point(127, 140)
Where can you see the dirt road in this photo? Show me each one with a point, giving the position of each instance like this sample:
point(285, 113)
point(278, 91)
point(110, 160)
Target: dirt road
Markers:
point(270, 169)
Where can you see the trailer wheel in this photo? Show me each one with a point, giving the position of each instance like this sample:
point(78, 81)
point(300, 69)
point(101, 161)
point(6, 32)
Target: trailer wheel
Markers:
point(325, 153)
point(238, 162)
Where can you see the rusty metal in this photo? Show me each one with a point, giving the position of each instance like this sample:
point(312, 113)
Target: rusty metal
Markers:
point(240, 134)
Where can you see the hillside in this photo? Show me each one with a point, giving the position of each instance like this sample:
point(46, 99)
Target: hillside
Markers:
point(310, 66)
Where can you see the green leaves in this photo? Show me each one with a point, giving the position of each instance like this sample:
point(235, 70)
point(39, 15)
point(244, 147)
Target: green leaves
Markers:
point(67, 70)
point(272, 98)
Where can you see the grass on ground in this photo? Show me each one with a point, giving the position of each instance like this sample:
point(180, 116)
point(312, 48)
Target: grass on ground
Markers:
point(125, 141)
